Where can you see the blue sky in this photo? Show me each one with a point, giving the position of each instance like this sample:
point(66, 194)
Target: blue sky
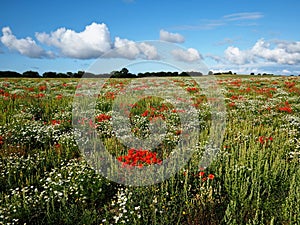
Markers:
point(241, 36)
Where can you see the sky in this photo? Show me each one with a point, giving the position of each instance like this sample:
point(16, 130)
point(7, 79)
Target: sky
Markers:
point(243, 36)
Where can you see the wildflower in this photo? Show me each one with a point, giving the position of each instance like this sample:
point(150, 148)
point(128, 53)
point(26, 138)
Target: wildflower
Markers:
point(55, 122)
point(59, 96)
point(286, 108)
point(201, 173)
point(103, 117)
point(139, 158)
point(192, 89)
point(231, 104)
point(211, 176)
point(145, 113)
point(42, 88)
point(263, 139)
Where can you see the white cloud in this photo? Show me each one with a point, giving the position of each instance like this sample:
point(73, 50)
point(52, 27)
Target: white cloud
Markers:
point(90, 43)
point(230, 19)
point(189, 55)
point(236, 56)
point(285, 71)
point(25, 46)
point(284, 53)
point(243, 16)
point(171, 37)
point(94, 41)
point(125, 48)
point(278, 57)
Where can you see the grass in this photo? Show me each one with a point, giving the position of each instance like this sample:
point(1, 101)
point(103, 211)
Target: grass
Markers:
point(45, 179)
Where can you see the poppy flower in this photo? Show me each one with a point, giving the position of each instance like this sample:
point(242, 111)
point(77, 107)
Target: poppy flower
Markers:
point(201, 173)
point(211, 176)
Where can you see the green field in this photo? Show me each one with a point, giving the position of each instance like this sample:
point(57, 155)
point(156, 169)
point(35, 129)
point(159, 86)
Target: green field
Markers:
point(255, 178)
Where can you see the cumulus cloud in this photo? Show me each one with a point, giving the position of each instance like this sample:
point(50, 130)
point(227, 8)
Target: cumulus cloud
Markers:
point(282, 54)
point(285, 71)
point(124, 48)
point(236, 56)
point(189, 55)
point(171, 37)
point(93, 42)
point(278, 57)
point(278, 52)
point(25, 46)
point(90, 43)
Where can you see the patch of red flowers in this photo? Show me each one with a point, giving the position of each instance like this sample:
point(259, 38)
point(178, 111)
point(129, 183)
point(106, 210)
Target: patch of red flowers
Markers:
point(289, 84)
point(139, 158)
point(42, 88)
point(231, 104)
point(286, 108)
point(202, 175)
point(264, 140)
point(59, 96)
point(55, 122)
point(155, 112)
point(102, 117)
point(1, 140)
point(110, 95)
point(192, 89)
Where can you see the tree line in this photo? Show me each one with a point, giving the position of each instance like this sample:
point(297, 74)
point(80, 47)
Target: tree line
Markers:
point(123, 73)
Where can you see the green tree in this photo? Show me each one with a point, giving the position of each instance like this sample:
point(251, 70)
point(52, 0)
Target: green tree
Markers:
point(31, 74)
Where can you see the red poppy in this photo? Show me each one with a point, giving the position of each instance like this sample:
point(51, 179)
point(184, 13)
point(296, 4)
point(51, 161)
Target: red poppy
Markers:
point(263, 139)
point(211, 176)
point(139, 158)
point(231, 104)
point(201, 173)
point(55, 122)
point(59, 96)
point(42, 88)
point(102, 117)
point(145, 113)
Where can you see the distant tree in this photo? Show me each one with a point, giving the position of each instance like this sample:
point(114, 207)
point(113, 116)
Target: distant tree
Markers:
point(31, 74)
point(9, 74)
point(252, 74)
point(62, 75)
point(49, 74)
point(193, 73)
point(79, 74)
point(183, 74)
point(210, 72)
point(124, 71)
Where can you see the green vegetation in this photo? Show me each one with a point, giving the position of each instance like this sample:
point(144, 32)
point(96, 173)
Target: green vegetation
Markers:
point(255, 179)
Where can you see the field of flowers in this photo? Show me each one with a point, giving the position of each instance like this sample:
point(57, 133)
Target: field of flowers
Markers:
point(255, 178)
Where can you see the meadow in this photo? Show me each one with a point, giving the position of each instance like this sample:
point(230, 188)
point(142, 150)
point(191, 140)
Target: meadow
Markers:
point(254, 179)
